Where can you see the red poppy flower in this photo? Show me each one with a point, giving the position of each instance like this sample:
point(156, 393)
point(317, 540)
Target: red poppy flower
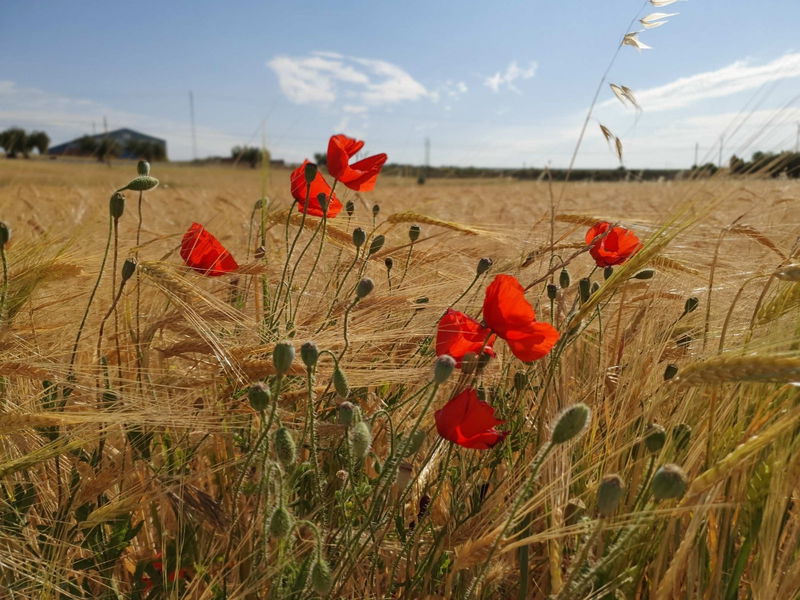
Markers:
point(510, 315)
point(159, 566)
point(469, 422)
point(202, 252)
point(360, 176)
point(311, 205)
point(614, 249)
point(458, 334)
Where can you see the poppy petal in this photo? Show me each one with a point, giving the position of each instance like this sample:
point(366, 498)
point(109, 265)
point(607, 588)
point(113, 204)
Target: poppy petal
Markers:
point(615, 248)
point(533, 342)
point(306, 196)
point(467, 421)
point(360, 176)
point(505, 307)
point(457, 334)
point(201, 251)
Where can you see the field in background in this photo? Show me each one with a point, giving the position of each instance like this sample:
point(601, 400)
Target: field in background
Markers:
point(735, 534)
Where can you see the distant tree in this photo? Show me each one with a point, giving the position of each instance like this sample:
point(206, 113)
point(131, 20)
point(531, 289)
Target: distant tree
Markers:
point(320, 158)
point(249, 154)
point(106, 149)
point(39, 140)
point(14, 141)
point(737, 165)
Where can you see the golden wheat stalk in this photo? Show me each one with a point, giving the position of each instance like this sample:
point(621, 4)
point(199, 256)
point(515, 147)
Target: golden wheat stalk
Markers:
point(412, 217)
point(785, 300)
point(722, 369)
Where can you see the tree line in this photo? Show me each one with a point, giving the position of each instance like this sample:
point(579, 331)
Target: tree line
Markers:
point(16, 141)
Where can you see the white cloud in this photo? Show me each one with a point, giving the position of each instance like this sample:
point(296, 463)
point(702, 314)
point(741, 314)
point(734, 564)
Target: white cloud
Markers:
point(324, 77)
point(512, 73)
point(734, 78)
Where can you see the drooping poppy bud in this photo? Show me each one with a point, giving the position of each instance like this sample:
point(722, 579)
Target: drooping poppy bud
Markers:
point(309, 354)
point(670, 481)
point(609, 494)
point(359, 237)
point(654, 438)
point(389, 262)
point(364, 288)
point(360, 440)
point(443, 368)
point(280, 523)
point(690, 305)
point(259, 396)
point(340, 383)
point(552, 291)
point(520, 381)
point(142, 183)
point(585, 288)
point(282, 357)
point(484, 264)
point(285, 448)
point(570, 423)
point(346, 412)
point(645, 274)
point(321, 577)
point(116, 205)
point(564, 279)
point(376, 244)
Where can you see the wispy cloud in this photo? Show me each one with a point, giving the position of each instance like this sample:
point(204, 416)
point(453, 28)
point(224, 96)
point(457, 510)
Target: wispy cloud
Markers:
point(736, 77)
point(513, 72)
point(324, 77)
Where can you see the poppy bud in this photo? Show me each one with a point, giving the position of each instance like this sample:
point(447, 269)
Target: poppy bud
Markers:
point(116, 205)
point(310, 172)
point(681, 435)
point(645, 274)
point(143, 168)
point(564, 279)
point(443, 368)
point(607, 272)
point(285, 448)
point(5, 234)
point(346, 412)
point(574, 511)
point(570, 423)
point(389, 262)
point(260, 203)
point(282, 357)
point(280, 523)
point(690, 305)
point(360, 440)
point(595, 287)
point(520, 381)
point(321, 578)
point(684, 341)
point(340, 383)
point(259, 396)
point(376, 244)
point(413, 233)
point(364, 288)
point(670, 372)
point(552, 291)
point(140, 184)
point(609, 494)
point(309, 354)
point(788, 273)
point(483, 360)
point(654, 438)
point(584, 287)
point(375, 210)
point(260, 252)
point(322, 199)
point(469, 362)
point(350, 208)
point(484, 265)
point(359, 237)
point(128, 268)
point(669, 482)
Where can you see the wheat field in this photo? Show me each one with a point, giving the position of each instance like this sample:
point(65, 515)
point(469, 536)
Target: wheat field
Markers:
point(132, 464)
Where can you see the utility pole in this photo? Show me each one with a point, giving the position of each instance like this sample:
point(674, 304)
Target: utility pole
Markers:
point(696, 153)
point(427, 155)
point(191, 117)
point(797, 140)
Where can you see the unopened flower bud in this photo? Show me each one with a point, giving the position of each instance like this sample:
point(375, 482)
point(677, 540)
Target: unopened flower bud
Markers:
point(484, 265)
point(684, 341)
point(143, 168)
point(259, 396)
point(443, 368)
point(322, 200)
point(359, 237)
point(345, 413)
point(360, 440)
point(552, 291)
point(669, 482)
point(128, 268)
point(681, 435)
point(520, 381)
point(5, 234)
point(116, 205)
point(585, 288)
point(483, 360)
point(690, 305)
point(282, 357)
point(285, 448)
point(376, 244)
point(564, 279)
point(609, 494)
point(607, 272)
point(595, 286)
point(469, 362)
point(280, 523)
point(350, 208)
point(340, 383)
point(413, 233)
point(654, 438)
point(321, 577)
point(142, 183)
point(375, 210)
point(570, 423)
point(309, 354)
point(364, 288)
point(389, 262)
point(670, 372)
point(310, 173)
point(645, 274)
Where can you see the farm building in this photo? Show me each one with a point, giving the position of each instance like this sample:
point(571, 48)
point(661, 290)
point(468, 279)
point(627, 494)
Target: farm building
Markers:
point(124, 143)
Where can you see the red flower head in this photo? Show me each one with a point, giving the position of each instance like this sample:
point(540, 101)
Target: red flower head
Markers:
point(467, 421)
point(360, 176)
point(614, 249)
point(158, 566)
point(459, 334)
point(510, 315)
point(202, 252)
point(318, 186)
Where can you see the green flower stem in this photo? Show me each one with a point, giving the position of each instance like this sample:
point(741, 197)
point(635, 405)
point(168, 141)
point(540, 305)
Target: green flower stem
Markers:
point(4, 291)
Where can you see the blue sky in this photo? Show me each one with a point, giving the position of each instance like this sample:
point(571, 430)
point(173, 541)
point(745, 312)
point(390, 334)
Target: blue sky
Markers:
point(504, 83)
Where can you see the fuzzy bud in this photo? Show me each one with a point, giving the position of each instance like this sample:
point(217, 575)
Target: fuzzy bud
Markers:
point(595, 287)
point(322, 200)
point(310, 173)
point(585, 288)
point(645, 274)
point(346, 412)
point(285, 448)
point(282, 357)
point(520, 381)
point(321, 577)
point(654, 438)
point(364, 288)
point(280, 523)
point(389, 262)
point(375, 210)
point(443, 368)
point(608, 272)
point(564, 279)
point(609, 494)
point(690, 305)
point(484, 265)
point(376, 244)
point(128, 268)
point(5, 234)
point(259, 396)
point(309, 354)
point(143, 168)
point(552, 291)
point(570, 423)
point(681, 435)
point(669, 482)
point(116, 205)
point(360, 440)
point(350, 208)
point(670, 372)
point(340, 383)
point(413, 233)
point(142, 183)
point(359, 237)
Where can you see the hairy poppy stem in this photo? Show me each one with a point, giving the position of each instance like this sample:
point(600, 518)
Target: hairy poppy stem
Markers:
point(4, 291)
